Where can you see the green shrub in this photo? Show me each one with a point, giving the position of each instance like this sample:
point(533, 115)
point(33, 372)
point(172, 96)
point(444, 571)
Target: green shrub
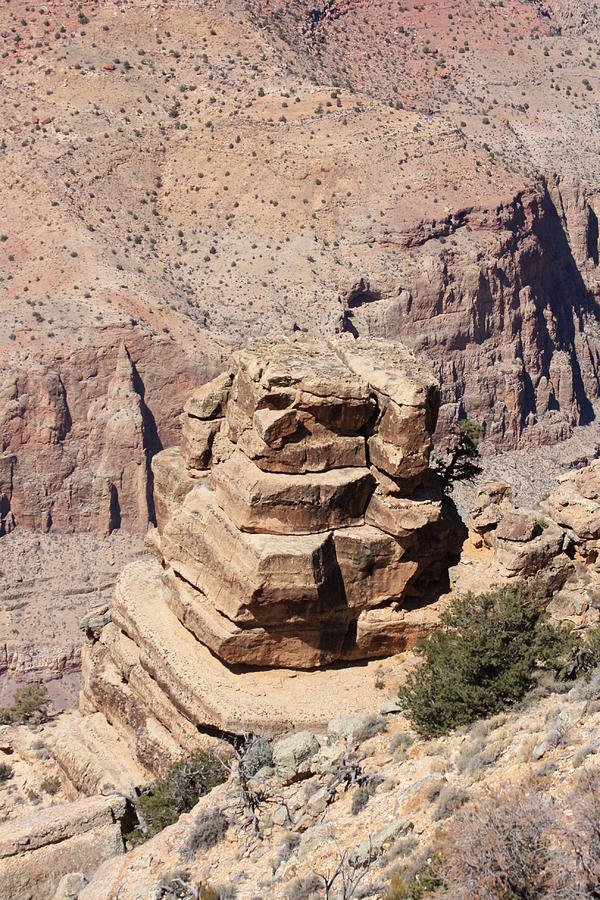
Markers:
point(483, 659)
point(415, 881)
point(177, 792)
point(30, 704)
point(6, 772)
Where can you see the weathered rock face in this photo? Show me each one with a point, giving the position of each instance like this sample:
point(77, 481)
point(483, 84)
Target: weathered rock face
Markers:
point(38, 849)
point(277, 558)
point(77, 433)
point(555, 548)
point(292, 548)
point(507, 316)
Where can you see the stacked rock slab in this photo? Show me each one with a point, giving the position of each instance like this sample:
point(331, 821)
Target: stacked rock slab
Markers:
point(317, 523)
point(298, 525)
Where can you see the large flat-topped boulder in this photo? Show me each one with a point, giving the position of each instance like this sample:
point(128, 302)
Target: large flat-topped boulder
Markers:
point(370, 389)
point(308, 370)
point(290, 504)
point(392, 371)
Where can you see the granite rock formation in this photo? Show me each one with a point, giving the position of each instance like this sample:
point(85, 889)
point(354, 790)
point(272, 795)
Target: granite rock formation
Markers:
point(298, 525)
point(554, 548)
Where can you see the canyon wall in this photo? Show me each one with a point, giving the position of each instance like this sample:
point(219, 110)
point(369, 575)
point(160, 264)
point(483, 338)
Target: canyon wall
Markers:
point(504, 302)
point(77, 431)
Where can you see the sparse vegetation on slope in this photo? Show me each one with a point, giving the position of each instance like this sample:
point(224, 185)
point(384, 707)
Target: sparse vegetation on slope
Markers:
point(30, 705)
point(177, 792)
point(483, 659)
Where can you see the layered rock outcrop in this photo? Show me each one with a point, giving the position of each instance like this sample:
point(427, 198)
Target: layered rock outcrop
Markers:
point(555, 548)
point(298, 525)
point(38, 849)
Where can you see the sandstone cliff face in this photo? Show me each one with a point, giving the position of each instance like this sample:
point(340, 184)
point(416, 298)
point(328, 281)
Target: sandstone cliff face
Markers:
point(77, 433)
point(502, 301)
point(298, 525)
point(506, 310)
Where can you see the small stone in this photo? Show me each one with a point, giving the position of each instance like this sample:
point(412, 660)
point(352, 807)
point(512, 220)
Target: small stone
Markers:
point(390, 707)
point(355, 728)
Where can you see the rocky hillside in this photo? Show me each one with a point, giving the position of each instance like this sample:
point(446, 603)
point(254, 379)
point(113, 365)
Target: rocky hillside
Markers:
point(279, 552)
point(183, 175)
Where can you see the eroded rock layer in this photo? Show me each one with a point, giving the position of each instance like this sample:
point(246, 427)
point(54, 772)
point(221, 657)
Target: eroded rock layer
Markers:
point(298, 525)
point(300, 507)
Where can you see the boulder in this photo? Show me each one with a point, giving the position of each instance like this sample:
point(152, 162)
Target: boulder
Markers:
point(355, 729)
point(197, 437)
point(172, 482)
point(292, 755)
point(209, 400)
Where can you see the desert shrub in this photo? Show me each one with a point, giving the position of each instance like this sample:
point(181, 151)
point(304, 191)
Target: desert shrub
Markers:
point(579, 842)
point(581, 755)
point(499, 847)
point(51, 785)
point(483, 659)
point(177, 885)
point(184, 782)
point(30, 704)
point(286, 848)
point(416, 880)
point(400, 849)
point(360, 799)
point(6, 772)
point(306, 888)
point(256, 754)
point(587, 688)
point(450, 799)
point(401, 741)
point(477, 755)
point(434, 789)
point(208, 830)
point(369, 728)
point(462, 455)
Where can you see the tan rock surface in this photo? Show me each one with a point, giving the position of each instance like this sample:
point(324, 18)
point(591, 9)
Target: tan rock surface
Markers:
point(261, 571)
point(210, 694)
point(39, 848)
point(554, 548)
point(249, 577)
point(260, 501)
point(172, 481)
